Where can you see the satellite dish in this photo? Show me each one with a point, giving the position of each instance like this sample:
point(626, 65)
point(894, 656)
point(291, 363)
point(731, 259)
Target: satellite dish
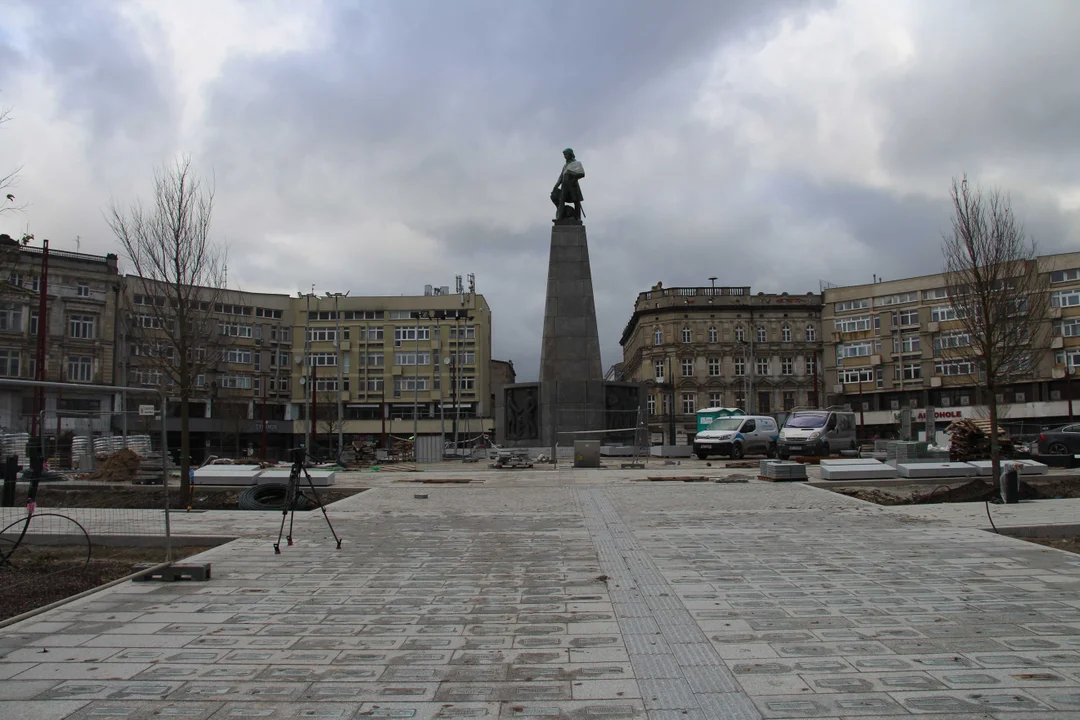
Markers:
point(446, 361)
point(303, 380)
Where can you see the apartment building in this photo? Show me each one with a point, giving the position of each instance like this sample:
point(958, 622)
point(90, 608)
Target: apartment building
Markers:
point(404, 364)
point(81, 293)
point(242, 396)
point(898, 344)
point(699, 347)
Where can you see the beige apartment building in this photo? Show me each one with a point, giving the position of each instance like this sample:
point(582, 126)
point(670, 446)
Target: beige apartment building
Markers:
point(404, 365)
point(897, 344)
point(722, 347)
point(81, 299)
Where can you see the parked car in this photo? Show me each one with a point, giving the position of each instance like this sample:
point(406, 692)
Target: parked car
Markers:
point(1062, 441)
point(817, 432)
point(738, 436)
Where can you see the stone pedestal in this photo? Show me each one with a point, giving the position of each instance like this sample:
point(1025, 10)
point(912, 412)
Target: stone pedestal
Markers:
point(571, 395)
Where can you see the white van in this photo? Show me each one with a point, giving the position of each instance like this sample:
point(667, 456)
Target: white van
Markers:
point(817, 432)
point(737, 436)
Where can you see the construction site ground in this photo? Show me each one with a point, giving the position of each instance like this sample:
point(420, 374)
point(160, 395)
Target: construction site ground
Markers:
point(580, 593)
point(148, 497)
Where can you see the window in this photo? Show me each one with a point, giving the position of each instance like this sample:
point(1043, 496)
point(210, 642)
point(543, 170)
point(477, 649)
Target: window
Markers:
point(687, 336)
point(658, 369)
point(149, 377)
point(403, 334)
point(854, 324)
point(960, 367)
point(716, 399)
point(467, 357)
point(1069, 327)
point(714, 367)
point(9, 363)
point(785, 334)
point(15, 279)
point(935, 294)
point(1073, 357)
point(850, 376)
point(322, 334)
point(811, 333)
point(789, 401)
point(234, 382)
point(412, 358)
point(762, 336)
point(375, 333)
point(764, 405)
point(713, 335)
point(811, 364)
point(467, 384)
point(666, 403)
point(688, 404)
point(268, 313)
point(855, 349)
point(650, 404)
point(234, 330)
point(740, 366)
point(33, 322)
point(468, 332)
point(740, 334)
point(901, 299)
point(1065, 298)
point(943, 313)
point(400, 314)
point(375, 384)
point(80, 368)
point(905, 318)
point(761, 366)
point(910, 342)
point(658, 337)
point(688, 367)
point(325, 385)
point(912, 371)
point(81, 326)
point(238, 356)
point(787, 366)
point(850, 305)
point(82, 290)
point(375, 359)
point(1060, 276)
point(322, 359)
point(740, 399)
point(954, 339)
point(10, 316)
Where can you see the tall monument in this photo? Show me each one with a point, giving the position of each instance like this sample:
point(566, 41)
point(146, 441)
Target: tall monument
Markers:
point(571, 397)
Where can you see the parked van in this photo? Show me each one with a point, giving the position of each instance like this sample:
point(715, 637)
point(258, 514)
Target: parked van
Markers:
point(817, 432)
point(737, 436)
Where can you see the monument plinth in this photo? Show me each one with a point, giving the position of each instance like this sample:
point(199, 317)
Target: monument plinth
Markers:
point(572, 396)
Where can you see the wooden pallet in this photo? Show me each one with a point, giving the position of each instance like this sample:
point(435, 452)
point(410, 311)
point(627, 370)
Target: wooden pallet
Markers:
point(190, 571)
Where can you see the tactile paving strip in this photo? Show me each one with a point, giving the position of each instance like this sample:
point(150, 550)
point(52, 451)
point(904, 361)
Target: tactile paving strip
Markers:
point(676, 665)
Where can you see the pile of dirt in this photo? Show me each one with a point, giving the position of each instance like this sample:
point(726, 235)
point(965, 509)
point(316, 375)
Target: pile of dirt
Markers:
point(122, 467)
point(40, 575)
point(1068, 544)
point(1041, 488)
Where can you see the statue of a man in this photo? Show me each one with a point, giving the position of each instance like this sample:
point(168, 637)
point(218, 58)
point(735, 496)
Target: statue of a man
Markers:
point(567, 190)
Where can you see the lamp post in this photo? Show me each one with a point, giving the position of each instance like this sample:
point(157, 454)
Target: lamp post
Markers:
point(416, 380)
point(304, 379)
point(340, 379)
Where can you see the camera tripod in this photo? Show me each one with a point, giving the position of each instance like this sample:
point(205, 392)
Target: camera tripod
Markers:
point(292, 499)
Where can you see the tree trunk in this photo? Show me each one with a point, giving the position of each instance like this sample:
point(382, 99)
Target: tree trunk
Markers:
point(185, 449)
point(995, 449)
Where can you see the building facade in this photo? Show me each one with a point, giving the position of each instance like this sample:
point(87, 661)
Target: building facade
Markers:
point(81, 299)
point(897, 344)
point(700, 347)
point(405, 365)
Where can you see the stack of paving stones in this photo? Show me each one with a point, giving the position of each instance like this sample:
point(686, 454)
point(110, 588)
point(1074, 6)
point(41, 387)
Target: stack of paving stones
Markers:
point(689, 601)
point(782, 470)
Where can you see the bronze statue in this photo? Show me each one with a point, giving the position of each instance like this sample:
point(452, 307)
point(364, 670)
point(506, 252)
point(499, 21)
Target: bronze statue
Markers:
point(567, 190)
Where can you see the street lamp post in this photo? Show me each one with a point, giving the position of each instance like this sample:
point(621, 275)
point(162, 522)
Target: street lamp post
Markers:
point(305, 378)
point(340, 379)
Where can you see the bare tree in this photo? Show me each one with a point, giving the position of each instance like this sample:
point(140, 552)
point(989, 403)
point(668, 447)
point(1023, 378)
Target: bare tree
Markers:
point(1000, 298)
point(178, 288)
point(327, 422)
point(8, 181)
point(10, 256)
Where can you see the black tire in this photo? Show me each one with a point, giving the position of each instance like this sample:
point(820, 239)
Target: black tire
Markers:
point(824, 449)
point(1058, 448)
point(736, 451)
point(702, 456)
point(271, 496)
point(782, 456)
point(771, 451)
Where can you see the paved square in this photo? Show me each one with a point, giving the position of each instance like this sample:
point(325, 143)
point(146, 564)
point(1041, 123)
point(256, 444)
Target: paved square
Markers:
point(577, 594)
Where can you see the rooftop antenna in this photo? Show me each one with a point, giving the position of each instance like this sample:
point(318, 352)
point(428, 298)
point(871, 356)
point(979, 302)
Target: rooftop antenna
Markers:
point(77, 243)
point(713, 281)
point(472, 284)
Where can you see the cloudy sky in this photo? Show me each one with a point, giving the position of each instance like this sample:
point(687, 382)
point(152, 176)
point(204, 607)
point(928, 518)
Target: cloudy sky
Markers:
point(381, 146)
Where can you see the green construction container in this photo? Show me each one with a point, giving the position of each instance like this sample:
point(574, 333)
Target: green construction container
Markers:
point(705, 417)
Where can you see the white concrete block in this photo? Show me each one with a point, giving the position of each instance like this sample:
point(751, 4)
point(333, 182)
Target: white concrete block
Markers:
point(1027, 467)
point(319, 478)
point(671, 451)
point(227, 475)
point(936, 470)
point(870, 471)
point(841, 462)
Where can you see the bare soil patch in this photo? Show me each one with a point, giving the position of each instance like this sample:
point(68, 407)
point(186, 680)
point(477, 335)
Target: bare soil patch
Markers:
point(978, 490)
point(151, 498)
point(1069, 544)
point(42, 574)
